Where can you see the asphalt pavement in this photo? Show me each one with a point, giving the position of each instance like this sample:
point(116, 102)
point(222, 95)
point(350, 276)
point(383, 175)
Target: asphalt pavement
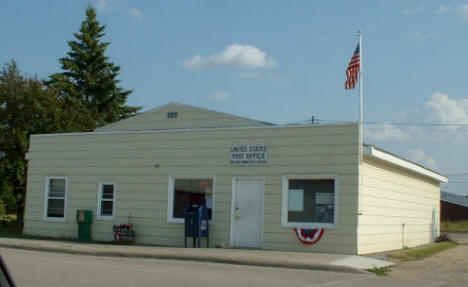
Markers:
point(41, 268)
point(299, 260)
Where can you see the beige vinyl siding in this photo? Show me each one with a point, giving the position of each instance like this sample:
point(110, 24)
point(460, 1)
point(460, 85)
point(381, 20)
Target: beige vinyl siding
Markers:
point(392, 196)
point(140, 164)
point(187, 117)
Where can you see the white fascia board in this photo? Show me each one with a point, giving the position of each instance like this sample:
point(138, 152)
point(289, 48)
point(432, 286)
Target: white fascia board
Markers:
point(387, 157)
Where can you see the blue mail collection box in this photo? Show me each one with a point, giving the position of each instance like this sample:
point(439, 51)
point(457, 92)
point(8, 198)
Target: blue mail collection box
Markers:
point(196, 224)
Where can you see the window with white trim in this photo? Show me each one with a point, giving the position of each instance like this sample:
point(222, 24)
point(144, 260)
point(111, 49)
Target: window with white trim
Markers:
point(55, 200)
point(185, 191)
point(309, 201)
point(106, 200)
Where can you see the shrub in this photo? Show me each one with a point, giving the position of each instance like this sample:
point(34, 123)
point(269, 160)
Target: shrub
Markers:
point(2, 208)
point(454, 226)
point(10, 202)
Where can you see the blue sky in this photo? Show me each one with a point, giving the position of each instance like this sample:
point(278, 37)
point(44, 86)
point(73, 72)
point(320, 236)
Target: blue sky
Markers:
point(278, 61)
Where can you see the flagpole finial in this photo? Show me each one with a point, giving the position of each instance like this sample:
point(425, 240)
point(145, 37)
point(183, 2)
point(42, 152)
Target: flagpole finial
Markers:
point(359, 31)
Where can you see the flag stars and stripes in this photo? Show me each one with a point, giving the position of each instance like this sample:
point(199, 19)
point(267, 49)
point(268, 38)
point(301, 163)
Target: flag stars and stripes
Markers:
point(352, 72)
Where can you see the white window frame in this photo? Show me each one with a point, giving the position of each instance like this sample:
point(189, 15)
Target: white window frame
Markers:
point(46, 199)
point(309, 225)
point(100, 199)
point(170, 201)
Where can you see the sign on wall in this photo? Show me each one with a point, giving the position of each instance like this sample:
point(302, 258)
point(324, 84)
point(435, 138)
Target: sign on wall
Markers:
point(249, 154)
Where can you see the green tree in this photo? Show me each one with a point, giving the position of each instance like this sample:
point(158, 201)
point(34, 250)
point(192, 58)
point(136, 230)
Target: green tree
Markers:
point(26, 107)
point(89, 80)
point(2, 208)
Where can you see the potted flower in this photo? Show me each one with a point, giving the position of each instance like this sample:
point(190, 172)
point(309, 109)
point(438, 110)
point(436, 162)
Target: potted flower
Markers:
point(124, 233)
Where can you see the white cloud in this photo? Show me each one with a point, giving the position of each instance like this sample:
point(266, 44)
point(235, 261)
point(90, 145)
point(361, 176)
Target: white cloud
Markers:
point(462, 13)
point(406, 116)
point(419, 156)
point(444, 9)
point(386, 132)
point(218, 96)
point(425, 35)
point(235, 55)
point(445, 110)
point(439, 109)
point(136, 13)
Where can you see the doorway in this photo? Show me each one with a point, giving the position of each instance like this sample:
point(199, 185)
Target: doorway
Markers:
point(247, 212)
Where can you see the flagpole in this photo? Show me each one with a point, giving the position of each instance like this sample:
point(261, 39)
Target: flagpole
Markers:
point(361, 117)
point(361, 121)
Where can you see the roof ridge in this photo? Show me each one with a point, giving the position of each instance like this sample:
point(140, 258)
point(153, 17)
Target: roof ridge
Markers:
point(152, 110)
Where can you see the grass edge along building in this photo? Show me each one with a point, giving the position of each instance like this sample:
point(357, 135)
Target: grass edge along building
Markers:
point(260, 182)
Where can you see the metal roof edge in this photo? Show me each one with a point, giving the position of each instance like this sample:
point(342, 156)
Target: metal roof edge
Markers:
point(189, 129)
point(454, 198)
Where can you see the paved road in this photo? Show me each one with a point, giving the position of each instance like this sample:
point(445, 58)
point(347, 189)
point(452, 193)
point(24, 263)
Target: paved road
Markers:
point(34, 268)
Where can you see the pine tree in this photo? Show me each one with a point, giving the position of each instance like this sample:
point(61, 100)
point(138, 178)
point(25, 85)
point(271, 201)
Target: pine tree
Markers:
point(89, 80)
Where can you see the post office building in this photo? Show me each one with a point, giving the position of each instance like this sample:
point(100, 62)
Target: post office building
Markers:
point(276, 187)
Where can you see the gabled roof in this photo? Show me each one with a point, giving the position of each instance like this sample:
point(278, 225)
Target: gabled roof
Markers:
point(191, 117)
point(454, 198)
point(213, 111)
point(380, 154)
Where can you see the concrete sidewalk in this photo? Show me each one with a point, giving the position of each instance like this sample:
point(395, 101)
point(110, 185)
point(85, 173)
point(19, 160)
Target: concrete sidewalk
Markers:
point(311, 261)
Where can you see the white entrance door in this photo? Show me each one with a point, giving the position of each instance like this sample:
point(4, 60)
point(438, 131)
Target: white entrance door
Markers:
point(248, 212)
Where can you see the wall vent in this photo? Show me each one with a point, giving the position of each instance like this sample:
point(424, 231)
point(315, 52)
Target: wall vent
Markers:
point(172, 115)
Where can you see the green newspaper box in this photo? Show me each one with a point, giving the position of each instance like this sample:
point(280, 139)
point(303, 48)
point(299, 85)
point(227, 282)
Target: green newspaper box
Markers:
point(84, 218)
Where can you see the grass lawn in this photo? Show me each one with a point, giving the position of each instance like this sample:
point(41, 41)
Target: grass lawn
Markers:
point(382, 272)
point(422, 252)
point(454, 226)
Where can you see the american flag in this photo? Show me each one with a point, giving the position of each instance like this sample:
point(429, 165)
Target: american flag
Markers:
point(352, 72)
